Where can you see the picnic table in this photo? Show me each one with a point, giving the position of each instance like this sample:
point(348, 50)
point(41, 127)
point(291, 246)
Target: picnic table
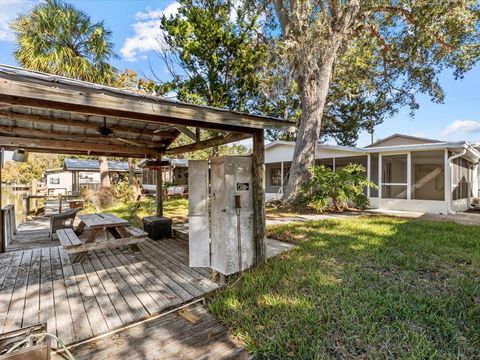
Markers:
point(99, 231)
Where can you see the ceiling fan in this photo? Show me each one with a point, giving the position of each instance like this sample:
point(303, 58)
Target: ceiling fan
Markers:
point(105, 131)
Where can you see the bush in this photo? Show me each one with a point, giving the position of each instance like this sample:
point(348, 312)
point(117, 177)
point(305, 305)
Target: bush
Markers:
point(344, 187)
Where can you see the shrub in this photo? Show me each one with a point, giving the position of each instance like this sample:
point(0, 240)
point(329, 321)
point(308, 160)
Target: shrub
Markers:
point(343, 187)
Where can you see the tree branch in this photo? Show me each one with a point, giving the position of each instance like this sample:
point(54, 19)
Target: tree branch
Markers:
point(408, 15)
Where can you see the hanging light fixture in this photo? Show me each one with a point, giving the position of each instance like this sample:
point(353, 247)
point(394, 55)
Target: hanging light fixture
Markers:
point(20, 155)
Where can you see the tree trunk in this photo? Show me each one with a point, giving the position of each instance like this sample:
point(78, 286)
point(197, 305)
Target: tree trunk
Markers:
point(132, 179)
point(313, 90)
point(104, 176)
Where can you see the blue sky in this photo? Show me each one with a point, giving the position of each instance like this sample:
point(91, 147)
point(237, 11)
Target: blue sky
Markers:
point(134, 24)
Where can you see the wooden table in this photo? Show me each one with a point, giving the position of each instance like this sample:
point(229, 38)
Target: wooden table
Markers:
point(99, 231)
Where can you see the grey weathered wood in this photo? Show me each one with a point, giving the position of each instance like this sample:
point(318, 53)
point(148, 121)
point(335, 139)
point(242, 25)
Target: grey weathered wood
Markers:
point(59, 120)
point(17, 302)
point(63, 315)
point(67, 95)
point(258, 188)
point(115, 294)
point(204, 144)
point(169, 337)
point(68, 238)
point(108, 244)
point(7, 291)
point(95, 316)
point(109, 289)
point(81, 324)
point(101, 220)
point(47, 304)
point(31, 314)
point(131, 299)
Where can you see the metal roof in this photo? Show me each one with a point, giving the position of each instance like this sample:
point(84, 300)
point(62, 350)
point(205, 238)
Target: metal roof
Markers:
point(94, 165)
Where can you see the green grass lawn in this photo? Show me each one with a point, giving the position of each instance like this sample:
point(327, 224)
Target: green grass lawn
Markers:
point(175, 208)
point(369, 287)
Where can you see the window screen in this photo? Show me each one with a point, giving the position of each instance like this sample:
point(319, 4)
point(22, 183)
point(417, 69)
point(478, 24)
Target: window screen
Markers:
point(394, 176)
point(428, 175)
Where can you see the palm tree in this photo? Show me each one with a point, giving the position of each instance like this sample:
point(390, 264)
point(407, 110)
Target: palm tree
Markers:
point(57, 38)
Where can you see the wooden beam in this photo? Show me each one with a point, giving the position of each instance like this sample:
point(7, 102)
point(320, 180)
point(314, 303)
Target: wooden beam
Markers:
point(221, 140)
point(85, 124)
point(159, 198)
point(258, 188)
point(51, 92)
point(66, 136)
point(187, 131)
point(70, 147)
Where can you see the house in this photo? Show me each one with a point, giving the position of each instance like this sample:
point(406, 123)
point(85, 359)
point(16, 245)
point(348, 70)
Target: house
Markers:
point(176, 173)
point(412, 173)
point(79, 173)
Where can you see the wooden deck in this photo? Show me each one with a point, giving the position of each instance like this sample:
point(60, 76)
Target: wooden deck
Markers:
point(110, 289)
point(166, 337)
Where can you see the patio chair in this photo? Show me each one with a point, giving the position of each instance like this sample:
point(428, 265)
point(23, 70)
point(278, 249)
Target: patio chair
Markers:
point(62, 220)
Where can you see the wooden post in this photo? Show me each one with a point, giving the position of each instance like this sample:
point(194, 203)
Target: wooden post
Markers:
point(2, 229)
point(159, 199)
point(258, 188)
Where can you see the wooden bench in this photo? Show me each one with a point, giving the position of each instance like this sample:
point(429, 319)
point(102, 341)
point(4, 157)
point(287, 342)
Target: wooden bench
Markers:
point(74, 245)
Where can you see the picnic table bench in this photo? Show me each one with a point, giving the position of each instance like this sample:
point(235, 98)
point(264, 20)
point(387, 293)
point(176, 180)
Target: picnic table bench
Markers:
point(99, 231)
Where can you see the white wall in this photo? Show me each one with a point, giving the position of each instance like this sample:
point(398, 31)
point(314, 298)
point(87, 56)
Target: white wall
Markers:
point(426, 206)
point(65, 184)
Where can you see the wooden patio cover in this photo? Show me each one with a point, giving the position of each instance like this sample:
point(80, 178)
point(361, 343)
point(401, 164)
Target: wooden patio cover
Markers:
point(46, 113)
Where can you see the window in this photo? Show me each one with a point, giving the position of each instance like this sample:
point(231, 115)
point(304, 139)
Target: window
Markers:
point(54, 181)
point(276, 176)
point(394, 176)
point(428, 175)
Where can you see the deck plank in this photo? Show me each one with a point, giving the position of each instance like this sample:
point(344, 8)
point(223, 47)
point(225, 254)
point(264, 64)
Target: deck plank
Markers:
point(169, 337)
point(15, 311)
point(108, 290)
point(32, 301)
point(94, 314)
point(121, 283)
point(63, 316)
point(115, 294)
point(202, 283)
point(7, 291)
point(81, 325)
point(166, 280)
point(106, 306)
point(47, 303)
point(145, 298)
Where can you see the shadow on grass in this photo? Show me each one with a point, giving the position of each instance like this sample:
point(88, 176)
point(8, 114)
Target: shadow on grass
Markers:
point(367, 287)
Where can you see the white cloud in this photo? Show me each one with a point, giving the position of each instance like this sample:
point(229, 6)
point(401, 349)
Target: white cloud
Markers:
point(9, 10)
point(461, 127)
point(147, 35)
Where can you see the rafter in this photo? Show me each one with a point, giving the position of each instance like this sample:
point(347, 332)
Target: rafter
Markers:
point(220, 140)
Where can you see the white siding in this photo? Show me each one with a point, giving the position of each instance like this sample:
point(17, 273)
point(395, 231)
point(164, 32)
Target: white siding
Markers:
point(64, 179)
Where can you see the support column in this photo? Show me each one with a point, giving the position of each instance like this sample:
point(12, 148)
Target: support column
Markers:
point(333, 165)
point(409, 176)
point(379, 179)
point(369, 173)
point(448, 182)
point(281, 176)
point(159, 199)
point(258, 189)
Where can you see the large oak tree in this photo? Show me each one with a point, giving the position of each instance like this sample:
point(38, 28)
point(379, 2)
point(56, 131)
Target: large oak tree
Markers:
point(414, 39)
